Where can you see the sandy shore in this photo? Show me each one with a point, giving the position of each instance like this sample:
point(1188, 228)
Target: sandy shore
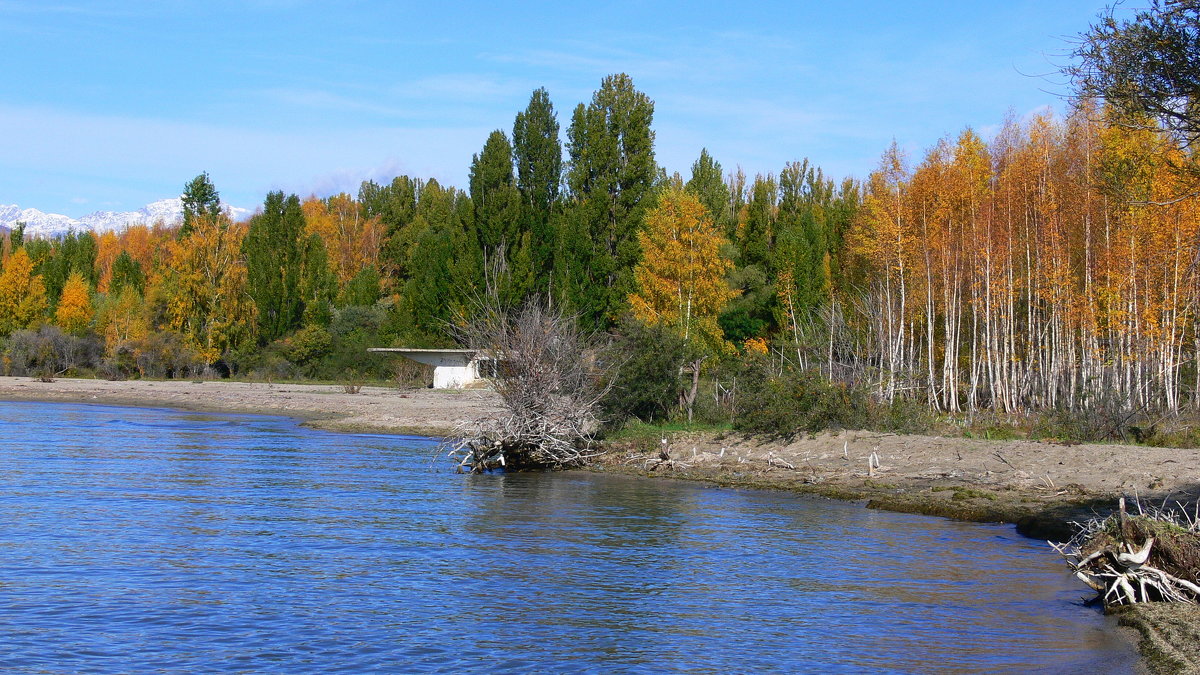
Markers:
point(1033, 484)
point(374, 409)
point(1040, 487)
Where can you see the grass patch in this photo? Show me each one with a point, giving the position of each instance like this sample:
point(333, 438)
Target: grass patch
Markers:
point(637, 430)
point(963, 493)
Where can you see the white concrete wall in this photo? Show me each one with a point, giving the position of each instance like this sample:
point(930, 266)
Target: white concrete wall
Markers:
point(453, 377)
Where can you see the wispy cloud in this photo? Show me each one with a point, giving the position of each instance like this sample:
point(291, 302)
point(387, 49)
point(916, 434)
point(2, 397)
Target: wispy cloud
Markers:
point(326, 100)
point(460, 87)
point(91, 9)
point(41, 141)
point(349, 180)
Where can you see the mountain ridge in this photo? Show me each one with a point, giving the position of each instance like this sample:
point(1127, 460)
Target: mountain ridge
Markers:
point(40, 224)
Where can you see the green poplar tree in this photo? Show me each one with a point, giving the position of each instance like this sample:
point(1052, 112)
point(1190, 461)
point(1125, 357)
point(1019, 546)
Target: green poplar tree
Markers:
point(497, 217)
point(395, 205)
point(755, 238)
point(611, 179)
point(805, 197)
point(274, 251)
point(126, 273)
point(73, 252)
point(708, 184)
point(538, 154)
point(362, 290)
point(318, 285)
point(445, 266)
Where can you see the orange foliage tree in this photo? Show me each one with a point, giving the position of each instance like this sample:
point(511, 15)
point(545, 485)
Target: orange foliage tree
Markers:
point(22, 294)
point(681, 278)
point(74, 313)
point(206, 297)
point(352, 240)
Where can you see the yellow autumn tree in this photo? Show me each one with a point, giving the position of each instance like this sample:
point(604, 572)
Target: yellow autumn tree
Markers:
point(122, 317)
point(74, 313)
point(681, 278)
point(207, 300)
point(352, 240)
point(108, 247)
point(22, 294)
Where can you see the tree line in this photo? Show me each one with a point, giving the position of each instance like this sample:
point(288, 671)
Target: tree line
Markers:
point(1050, 267)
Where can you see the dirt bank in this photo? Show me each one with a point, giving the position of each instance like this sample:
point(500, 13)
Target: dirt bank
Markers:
point(374, 409)
point(1038, 486)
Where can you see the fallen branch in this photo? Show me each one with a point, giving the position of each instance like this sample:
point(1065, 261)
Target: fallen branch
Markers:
point(1132, 559)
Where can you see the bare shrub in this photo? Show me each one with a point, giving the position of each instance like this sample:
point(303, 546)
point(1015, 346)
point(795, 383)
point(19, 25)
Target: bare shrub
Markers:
point(48, 353)
point(411, 375)
point(353, 384)
point(164, 354)
point(550, 378)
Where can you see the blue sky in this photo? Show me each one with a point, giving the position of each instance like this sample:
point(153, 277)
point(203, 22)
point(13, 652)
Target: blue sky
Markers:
point(113, 105)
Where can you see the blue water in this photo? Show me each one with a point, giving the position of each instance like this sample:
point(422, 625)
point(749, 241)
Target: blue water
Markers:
point(135, 540)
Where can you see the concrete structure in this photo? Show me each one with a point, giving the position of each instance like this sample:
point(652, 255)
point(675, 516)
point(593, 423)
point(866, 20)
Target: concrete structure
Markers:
point(452, 368)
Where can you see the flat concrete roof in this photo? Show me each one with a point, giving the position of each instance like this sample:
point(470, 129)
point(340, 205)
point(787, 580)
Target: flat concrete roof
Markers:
point(422, 351)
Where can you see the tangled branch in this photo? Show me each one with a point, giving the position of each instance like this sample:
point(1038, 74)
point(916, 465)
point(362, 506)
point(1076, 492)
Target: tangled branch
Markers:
point(1151, 557)
point(550, 378)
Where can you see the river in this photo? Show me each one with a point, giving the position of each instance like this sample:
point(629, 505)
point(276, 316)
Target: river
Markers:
point(135, 540)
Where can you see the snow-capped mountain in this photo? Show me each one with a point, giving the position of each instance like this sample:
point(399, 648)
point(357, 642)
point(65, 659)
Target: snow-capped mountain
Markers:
point(46, 225)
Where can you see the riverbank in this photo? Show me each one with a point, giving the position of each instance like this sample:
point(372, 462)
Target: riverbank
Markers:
point(1041, 487)
point(426, 412)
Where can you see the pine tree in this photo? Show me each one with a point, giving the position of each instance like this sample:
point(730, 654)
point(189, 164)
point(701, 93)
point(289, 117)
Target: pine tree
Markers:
point(200, 198)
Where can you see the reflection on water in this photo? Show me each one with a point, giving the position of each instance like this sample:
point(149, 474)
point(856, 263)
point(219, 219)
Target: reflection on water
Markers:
point(138, 540)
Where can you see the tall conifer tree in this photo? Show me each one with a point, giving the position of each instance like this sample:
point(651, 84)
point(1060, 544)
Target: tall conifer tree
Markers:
point(497, 208)
point(709, 186)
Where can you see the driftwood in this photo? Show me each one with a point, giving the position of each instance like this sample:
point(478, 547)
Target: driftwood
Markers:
point(1127, 559)
point(550, 377)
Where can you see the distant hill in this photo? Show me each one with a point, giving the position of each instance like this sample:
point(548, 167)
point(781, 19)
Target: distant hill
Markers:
point(47, 225)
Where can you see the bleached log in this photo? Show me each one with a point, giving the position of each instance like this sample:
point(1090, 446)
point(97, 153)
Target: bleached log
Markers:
point(1133, 560)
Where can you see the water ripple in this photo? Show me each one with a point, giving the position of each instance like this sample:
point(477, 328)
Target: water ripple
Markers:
point(149, 540)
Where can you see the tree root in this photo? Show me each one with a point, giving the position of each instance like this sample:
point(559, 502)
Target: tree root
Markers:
point(1105, 555)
